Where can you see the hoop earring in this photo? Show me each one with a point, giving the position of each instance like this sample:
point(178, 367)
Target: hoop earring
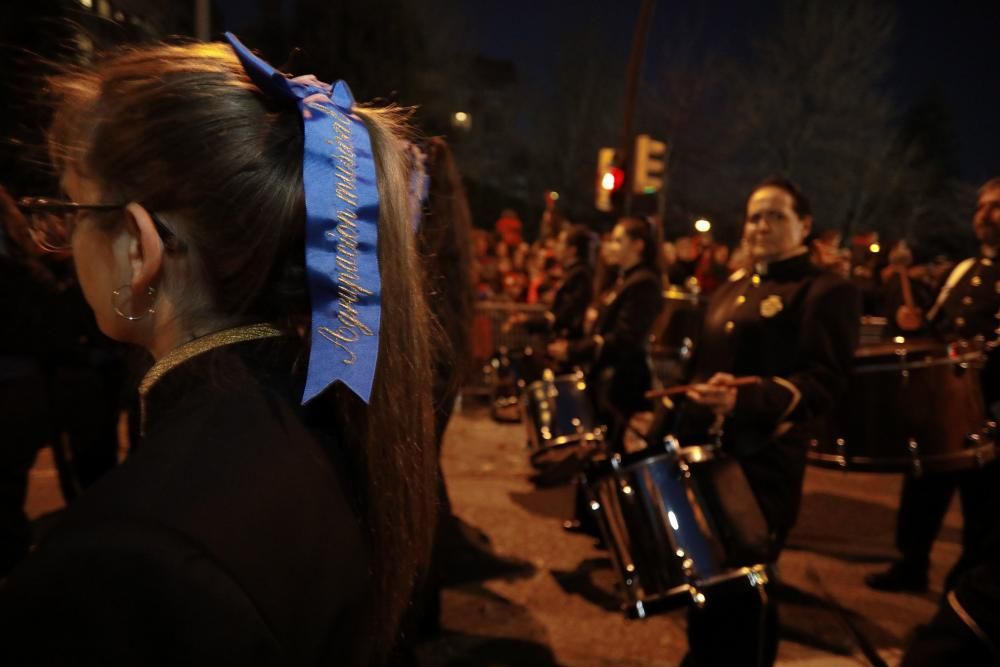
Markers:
point(118, 303)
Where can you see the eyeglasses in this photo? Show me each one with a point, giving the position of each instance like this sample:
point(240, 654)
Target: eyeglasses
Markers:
point(52, 222)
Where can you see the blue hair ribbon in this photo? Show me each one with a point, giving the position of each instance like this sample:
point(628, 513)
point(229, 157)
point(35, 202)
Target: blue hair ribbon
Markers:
point(342, 208)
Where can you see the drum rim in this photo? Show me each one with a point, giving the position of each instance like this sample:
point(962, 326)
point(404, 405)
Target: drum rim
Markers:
point(633, 608)
point(911, 345)
point(976, 357)
point(650, 455)
point(982, 453)
point(706, 453)
point(565, 377)
point(574, 438)
point(888, 348)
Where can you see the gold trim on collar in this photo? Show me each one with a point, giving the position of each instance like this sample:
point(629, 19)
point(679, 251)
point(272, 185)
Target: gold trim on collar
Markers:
point(179, 355)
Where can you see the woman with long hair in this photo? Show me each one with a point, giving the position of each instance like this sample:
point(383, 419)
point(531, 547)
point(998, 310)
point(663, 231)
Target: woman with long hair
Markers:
point(281, 502)
point(616, 348)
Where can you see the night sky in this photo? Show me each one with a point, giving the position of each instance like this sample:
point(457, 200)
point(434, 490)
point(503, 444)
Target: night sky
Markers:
point(953, 46)
point(948, 46)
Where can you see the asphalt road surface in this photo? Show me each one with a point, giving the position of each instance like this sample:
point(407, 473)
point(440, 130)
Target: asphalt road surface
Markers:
point(565, 612)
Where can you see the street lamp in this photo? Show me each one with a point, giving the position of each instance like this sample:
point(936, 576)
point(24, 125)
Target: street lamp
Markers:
point(702, 225)
point(461, 120)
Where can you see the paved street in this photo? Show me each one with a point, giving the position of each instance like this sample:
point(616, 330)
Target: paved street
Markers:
point(565, 612)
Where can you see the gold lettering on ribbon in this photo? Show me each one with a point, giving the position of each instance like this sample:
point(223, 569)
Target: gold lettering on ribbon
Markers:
point(350, 328)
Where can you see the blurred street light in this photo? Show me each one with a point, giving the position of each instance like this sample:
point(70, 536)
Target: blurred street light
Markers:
point(461, 120)
point(875, 248)
point(702, 225)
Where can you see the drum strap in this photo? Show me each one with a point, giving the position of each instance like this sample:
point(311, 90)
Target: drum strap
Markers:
point(949, 284)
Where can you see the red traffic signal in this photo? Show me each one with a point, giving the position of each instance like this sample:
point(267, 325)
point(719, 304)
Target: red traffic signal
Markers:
point(612, 179)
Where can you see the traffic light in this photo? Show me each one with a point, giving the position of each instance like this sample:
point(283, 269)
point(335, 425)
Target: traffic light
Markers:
point(610, 178)
point(650, 165)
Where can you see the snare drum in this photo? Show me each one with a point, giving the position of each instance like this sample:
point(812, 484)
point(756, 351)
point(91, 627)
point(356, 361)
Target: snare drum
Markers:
point(913, 406)
point(560, 417)
point(655, 509)
point(510, 372)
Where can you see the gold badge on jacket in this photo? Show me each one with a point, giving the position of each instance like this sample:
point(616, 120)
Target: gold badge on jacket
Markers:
point(771, 306)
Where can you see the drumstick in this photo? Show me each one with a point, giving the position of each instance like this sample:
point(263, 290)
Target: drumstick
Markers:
point(684, 388)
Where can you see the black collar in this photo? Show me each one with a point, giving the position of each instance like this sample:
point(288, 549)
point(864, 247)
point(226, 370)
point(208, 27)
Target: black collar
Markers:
point(229, 368)
point(632, 270)
point(790, 268)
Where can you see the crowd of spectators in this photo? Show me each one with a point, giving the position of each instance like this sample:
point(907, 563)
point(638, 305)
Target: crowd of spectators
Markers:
point(512, 270)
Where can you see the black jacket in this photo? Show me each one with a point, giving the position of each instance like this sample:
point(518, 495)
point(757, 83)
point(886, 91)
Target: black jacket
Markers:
point(618, 347)
point(795, 327)
point(969, 307)
point(969, 300)
point(571, 301)
point(228, 537)
point(569, 305)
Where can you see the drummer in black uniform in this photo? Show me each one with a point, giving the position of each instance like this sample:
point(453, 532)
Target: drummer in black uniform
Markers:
point(966, 629)
point(792, 327)
point(576, 290)
point(574, 250)
point(617, 348)
point(967, 308)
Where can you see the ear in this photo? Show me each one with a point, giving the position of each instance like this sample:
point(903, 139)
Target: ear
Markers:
point(145, 253)
point(807, 225)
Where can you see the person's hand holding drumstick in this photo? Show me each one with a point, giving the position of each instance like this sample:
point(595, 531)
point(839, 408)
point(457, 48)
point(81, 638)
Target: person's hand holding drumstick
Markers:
point(718, 393)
